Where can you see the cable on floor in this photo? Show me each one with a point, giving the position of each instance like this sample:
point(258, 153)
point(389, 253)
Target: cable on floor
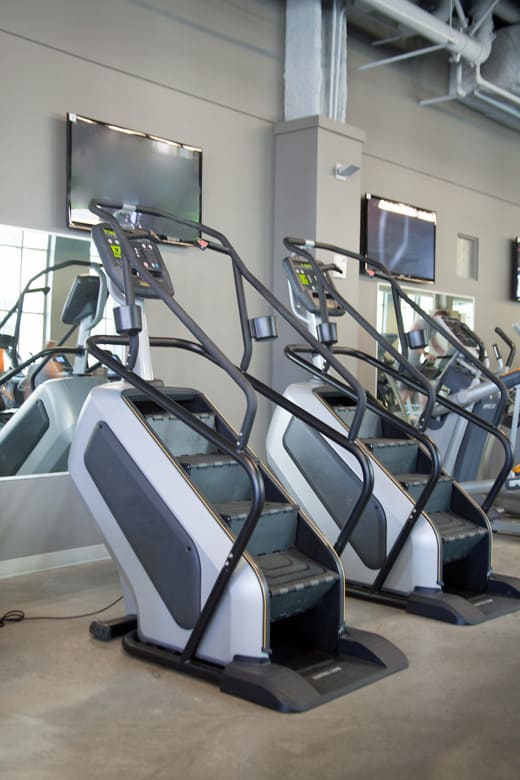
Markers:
point(17, 615)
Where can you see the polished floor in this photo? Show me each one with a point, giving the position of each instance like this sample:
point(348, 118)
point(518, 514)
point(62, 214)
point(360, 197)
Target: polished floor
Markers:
point(74, 709)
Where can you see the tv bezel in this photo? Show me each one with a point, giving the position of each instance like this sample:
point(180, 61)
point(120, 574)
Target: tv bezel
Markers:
point(85, 226)
point(363, 234)
point(515, 267)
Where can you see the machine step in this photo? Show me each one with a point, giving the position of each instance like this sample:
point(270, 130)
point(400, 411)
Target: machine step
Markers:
point(218, 477)
point(275, 530)
point(178, 437)
point(371, 426)
point(296, 582)
point(439, 500)
point(458, 535)
point(396, 455)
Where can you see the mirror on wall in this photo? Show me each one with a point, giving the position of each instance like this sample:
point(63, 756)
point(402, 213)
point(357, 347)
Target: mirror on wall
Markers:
point(431, 301)
point(30, 323)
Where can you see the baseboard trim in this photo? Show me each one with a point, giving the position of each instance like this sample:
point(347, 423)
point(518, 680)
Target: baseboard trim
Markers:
point(52, 560)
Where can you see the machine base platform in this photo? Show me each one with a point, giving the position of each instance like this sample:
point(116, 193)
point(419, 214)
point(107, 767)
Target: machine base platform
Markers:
point(298, 685)
point(501, 598)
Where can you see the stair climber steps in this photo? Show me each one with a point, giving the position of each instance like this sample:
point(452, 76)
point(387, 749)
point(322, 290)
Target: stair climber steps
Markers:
point(275, 529)
point(396, 455)
point(458, 535)
point(178, 437)
point(218, 477)
point(440, 498)
point(371, 425)
point(296, 583)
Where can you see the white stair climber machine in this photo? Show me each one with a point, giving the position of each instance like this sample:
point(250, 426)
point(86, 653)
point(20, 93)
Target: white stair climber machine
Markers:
point(227, 579)
point(422, 542)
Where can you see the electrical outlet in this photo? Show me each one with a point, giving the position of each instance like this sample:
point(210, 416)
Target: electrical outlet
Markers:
point(341, 262)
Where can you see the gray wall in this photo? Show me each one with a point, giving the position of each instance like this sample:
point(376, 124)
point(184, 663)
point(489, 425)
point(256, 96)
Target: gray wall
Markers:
point(210, 73)
point(449, 159)
point(206, 73)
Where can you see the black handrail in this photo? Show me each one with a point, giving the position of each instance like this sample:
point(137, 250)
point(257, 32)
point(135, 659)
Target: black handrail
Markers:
point(44, 353)
point(239, 454)
point(301, 247)
point(408, 430)
point(441, 401)
point(18, 305)
point(510, 345)
point(100, 208)
point(241, 271)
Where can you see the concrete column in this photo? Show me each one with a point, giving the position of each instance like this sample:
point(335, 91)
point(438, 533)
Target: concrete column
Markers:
point(310, 202)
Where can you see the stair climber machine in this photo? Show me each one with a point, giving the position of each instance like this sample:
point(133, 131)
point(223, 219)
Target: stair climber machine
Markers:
point(422, 542)
point(224, 577)
point(469, 453)
point(37, 439)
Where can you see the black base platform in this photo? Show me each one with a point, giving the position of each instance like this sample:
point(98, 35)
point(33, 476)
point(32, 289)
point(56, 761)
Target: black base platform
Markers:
point(501, 598)
point(306, 682)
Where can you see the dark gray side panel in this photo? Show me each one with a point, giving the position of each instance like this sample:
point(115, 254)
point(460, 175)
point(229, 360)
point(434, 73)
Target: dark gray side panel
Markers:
point(163, 547)
point(22, 434)
point(338, 489)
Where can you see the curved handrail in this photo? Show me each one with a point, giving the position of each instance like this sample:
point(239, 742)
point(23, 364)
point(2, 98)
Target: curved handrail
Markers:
point(293, 350)
point(300, 246)
point(240, 272)
point(18, 305)
point(44, 353)
point(100, 208)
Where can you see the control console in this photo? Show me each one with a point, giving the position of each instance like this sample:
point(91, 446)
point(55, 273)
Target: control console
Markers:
point(304, 284)
point(146, 252)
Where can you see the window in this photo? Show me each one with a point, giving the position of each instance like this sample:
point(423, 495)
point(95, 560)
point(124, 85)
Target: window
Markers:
point(23, 253)
point(467, 257)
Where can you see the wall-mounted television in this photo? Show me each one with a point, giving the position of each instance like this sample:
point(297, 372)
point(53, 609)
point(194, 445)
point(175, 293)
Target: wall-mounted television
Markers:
point(119, 165)
point(400, 236)
point(515, 269)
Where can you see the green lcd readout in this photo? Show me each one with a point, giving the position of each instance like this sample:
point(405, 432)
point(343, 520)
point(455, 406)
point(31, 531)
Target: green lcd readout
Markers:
point(301, 273)
point(116, 251)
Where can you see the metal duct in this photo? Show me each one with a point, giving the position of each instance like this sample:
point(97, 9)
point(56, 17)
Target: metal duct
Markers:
point(473, 49)
point(503, 66)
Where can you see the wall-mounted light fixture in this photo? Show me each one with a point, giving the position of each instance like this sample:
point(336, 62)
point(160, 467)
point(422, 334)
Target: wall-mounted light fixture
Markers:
point(343, 171)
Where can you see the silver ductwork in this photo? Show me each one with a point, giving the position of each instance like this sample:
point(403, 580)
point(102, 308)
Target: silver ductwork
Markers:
point(503, 66)
point(474, 49)
point(484, 62)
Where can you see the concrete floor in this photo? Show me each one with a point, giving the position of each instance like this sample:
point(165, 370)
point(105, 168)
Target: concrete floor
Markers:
point(71, 707)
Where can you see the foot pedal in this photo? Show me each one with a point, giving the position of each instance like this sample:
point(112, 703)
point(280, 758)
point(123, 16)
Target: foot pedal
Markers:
point(106, 630)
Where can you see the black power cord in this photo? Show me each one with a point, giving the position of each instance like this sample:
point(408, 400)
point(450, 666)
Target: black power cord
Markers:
point(17, 615)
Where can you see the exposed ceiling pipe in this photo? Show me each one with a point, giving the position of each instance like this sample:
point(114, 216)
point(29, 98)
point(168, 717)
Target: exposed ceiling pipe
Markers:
point(474, 50)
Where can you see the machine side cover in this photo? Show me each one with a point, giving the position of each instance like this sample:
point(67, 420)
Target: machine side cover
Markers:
point(338, 488)
point(166, 552)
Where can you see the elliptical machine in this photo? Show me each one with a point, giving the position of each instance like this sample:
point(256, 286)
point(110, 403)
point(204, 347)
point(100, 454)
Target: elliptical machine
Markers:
point(422, 542)
point(230, 581)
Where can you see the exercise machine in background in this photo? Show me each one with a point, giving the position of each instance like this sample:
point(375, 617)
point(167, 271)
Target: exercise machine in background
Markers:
point(422, 542)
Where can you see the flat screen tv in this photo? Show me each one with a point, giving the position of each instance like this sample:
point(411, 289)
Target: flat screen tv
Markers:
point(118, 165)
point(515, 269)
point(400, 236)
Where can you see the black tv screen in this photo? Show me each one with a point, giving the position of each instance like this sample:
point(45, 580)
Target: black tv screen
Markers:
point(400, 236)
point(515, 269)
point(118, 165)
